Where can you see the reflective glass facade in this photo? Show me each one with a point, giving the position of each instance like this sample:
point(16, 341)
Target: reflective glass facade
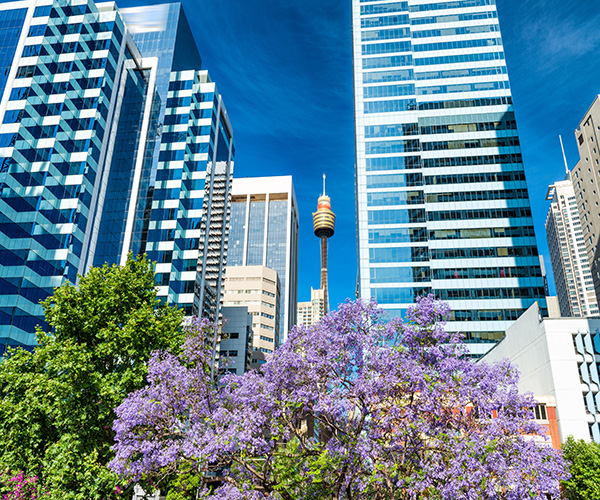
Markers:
point(442, 202)
point(264, 232)
point(107, 146)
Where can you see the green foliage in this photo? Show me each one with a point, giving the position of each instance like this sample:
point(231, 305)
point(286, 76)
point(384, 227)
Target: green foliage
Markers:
point(185, 484)
point(584, 459)
point(56, 404)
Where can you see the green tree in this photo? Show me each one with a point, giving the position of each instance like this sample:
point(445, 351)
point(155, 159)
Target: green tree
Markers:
point(56, 404)
point(584, 459)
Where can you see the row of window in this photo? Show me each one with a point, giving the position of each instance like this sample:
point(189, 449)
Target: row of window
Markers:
point(455, 18)
point(395, 75)
point(397, 198)
point(487, 315)
point(398, 235)
point(393, 163)
point(505, 194)
point(482, 232)
point(461, 73)
point(419, 215)
point(381, 8)
point(456, 44)
point(399, 146)
point(396, 216)
point(388, 34)
point(387, 62)
point(386, 48)
point(457, 4)
point(479, 253)
point(390, 106)
point(495, 142)
point(459, 58)
point(374, 22)
point(490, 293)
point(389, 91)
point(487, 273)
point(463, 30)
point(479, 160)
point(463, 87)
point(473, 177)
point(399, 274)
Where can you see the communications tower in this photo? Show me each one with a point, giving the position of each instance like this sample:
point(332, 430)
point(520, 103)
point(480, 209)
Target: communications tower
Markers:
point(324, 227)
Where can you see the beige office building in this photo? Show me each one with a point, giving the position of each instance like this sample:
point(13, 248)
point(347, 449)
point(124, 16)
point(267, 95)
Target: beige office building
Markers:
point(257, 288)
point(311, 312)
point(586, 184)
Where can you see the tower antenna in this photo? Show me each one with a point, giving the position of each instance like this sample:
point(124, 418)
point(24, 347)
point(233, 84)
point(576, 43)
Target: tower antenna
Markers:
point(564, 156)
point(323, 184)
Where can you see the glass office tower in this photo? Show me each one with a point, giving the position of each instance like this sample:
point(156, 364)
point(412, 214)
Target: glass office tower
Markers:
point(442, 202)
point(111, 138)
point(264, 232)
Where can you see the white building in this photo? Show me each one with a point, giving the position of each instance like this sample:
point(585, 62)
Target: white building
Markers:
point(568, 254)
point(558, 359)
point(311, 312)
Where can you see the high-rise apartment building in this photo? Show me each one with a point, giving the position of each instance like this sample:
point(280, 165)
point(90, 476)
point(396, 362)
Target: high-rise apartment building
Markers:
point(264, 232)
point(310, 313)
point(586, 178)
point(442, 202)
point(257, 289)
point(112, 140)
point(572, 274)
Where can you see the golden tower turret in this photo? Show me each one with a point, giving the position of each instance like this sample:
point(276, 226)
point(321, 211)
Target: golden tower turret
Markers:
point(324, 227)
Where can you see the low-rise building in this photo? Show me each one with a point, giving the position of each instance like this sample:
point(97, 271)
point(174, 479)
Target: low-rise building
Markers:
point(558, 359)
point(235, 350)
point(311, 312)
point(257, 288)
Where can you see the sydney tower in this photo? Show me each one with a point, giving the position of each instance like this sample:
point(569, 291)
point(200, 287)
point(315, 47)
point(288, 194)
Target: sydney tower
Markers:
point(324, 226)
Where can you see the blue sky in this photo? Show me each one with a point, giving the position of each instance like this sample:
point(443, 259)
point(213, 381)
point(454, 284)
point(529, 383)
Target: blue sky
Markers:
point(284, 68)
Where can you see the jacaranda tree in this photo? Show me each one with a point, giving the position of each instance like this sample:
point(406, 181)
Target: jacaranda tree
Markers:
point(352, 408)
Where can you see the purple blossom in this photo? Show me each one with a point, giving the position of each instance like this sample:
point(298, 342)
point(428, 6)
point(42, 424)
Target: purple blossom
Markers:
point(354, 407)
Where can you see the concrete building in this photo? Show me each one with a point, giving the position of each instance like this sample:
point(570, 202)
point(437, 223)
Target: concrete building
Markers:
point(558, 359)
point(553, 306)
point(264, 232)
point(236, 339)
point(442, 202)
point(586, 178)
point(311, 312)
point(111, 136)
point(256, 288)
point(572, 274)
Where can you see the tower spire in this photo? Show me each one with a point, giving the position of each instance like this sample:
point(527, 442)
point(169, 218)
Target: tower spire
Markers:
point(324, 226)
point(564, 156)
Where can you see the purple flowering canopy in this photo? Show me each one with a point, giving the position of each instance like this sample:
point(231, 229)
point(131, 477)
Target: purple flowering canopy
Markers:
point(352, 408)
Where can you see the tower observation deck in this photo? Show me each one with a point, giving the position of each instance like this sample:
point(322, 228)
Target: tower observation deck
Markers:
point(324, 227)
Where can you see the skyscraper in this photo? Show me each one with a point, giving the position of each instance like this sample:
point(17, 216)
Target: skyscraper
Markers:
point(442, 203)
point(106, 147)
point(324, 228)
point(572, 274)
point(264, 232)
point(586, 178)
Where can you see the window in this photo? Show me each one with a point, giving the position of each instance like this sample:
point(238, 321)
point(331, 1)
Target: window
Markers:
point(540, 412)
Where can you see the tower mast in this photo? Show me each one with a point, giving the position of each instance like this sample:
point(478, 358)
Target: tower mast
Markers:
point(324, 227)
